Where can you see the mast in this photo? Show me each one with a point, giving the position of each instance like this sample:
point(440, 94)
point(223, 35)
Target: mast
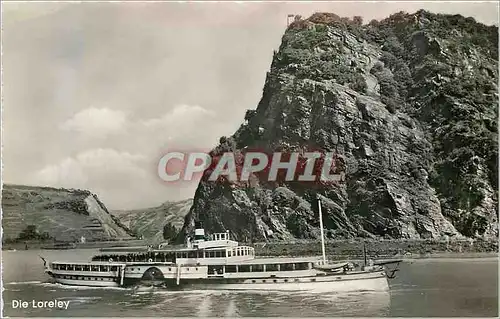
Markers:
point(322, 232)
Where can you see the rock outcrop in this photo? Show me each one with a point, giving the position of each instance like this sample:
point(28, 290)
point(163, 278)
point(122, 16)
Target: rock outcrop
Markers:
point(149, 223)
point(409, 103)
point(60, 214)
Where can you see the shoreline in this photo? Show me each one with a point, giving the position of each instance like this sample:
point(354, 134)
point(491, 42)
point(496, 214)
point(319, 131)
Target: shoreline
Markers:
point(375, 253)
point(37, 245)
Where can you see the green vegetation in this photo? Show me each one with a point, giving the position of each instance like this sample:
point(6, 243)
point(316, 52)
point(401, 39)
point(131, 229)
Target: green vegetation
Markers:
point(340, 249)
point(31, 233)
point(169, 232)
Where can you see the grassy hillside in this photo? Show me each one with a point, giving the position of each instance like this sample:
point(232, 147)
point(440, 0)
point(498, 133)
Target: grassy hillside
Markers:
point(45, 213)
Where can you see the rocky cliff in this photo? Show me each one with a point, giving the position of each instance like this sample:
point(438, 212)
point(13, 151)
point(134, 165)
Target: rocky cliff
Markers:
point(408, 103)
point(150, 222)
point(57, 214)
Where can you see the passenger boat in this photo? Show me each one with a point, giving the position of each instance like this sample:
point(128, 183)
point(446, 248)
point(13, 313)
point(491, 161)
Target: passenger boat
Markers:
point(217, 262)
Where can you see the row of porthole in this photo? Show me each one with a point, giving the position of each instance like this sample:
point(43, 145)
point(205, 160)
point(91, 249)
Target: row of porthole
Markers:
point(169, 269)
point(276, 280)
point(86, 278)
point(286, 280)
point(187, 269)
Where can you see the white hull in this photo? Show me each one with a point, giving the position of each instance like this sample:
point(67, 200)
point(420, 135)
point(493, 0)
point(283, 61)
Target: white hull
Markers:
point(369, 281)
point(371, 284)
point(76, 282)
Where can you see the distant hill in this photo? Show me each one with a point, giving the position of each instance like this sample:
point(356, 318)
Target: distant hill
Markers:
point(149, 222)
point(31, 212)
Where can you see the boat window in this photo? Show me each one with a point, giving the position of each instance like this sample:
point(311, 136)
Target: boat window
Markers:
point(200, 254)
point(78, 268)
point(238, 252)
point(70, 267)
point(244, 268)
point(272, 267)
point(192, 254)
point(301, 266)
point(229, 253)
point(257, 268)
point(231, 268)
point(95, 268)
point(114, 268)
point(286, 267)
point(55, 266)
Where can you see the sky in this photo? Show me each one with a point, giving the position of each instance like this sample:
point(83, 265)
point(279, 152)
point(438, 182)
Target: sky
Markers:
point(95, 93)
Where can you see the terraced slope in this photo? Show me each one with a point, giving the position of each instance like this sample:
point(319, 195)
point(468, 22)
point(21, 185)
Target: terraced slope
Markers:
point(63, 214)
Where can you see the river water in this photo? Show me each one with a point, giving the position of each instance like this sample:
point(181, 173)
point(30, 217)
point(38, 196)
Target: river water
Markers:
point(423, 288)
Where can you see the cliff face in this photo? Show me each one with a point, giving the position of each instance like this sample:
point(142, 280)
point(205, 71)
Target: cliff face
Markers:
point(410, 103)
point(60, 214)
point(149, 222)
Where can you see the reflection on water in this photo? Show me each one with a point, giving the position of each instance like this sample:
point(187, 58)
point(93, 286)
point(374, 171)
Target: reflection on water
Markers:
point(422, 288)
point(157, 302)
